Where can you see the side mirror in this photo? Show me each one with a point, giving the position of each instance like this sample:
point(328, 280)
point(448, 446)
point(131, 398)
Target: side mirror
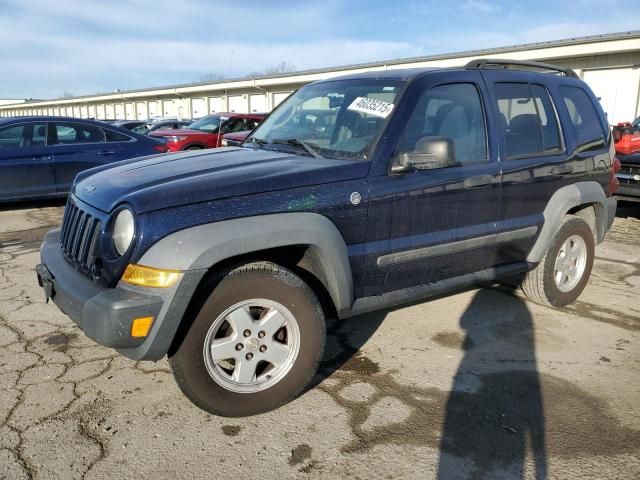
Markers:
point(429, 153)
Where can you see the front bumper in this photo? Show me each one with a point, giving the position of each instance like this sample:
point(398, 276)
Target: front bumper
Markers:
point(106, 314)
point(629, 192)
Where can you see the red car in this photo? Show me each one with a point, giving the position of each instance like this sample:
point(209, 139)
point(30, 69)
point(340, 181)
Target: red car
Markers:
point(208, 131)
point(234, 139)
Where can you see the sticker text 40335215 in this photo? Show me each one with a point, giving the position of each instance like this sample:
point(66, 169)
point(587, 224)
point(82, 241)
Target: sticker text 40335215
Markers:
point(371, 106)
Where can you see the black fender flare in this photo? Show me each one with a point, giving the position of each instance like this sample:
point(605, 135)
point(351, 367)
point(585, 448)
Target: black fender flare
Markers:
point(204, 246)
point(561, 202)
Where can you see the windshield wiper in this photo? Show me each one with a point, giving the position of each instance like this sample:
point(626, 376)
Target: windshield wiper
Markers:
point(309, 147)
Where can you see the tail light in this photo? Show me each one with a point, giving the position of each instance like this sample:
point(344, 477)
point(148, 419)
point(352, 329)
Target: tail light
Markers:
point(616, 166)
point(161, 148)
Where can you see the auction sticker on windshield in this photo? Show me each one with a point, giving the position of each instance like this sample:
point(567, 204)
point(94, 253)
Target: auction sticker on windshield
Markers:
point(371, 106)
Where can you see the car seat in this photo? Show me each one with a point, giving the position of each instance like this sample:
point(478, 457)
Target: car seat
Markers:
point(523, 135)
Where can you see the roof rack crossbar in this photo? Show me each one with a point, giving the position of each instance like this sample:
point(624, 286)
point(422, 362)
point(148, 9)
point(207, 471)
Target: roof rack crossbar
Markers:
point(487, 62)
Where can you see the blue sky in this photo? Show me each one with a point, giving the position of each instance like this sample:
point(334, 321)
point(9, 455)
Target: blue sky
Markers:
point(89, 46)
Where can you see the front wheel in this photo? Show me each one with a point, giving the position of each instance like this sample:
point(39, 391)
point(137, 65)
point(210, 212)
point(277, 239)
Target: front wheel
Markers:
point(255, 344)
point(564, 271)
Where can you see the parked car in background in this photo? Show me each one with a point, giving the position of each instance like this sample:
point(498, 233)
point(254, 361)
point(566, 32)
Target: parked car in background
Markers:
point(208, 131)
point(136, 126)
point(626, 136)
point(629, 177)
point(168, 125)
point(234, 139)
point(40, 156)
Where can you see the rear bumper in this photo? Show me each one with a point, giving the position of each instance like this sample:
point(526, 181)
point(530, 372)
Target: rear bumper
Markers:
point(106, 314)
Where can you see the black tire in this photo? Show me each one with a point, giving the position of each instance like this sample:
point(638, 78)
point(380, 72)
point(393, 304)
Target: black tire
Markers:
point(193, 147)
point(255, 280)
point(539, 284)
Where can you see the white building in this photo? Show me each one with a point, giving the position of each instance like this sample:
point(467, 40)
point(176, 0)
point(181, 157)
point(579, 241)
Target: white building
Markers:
point(11, 101)
point(609, 63)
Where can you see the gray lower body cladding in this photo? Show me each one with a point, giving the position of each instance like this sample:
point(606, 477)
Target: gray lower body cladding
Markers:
point(106, 314)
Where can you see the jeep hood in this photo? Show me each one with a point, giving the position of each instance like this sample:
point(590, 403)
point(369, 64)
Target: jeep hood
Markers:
point(168, 180)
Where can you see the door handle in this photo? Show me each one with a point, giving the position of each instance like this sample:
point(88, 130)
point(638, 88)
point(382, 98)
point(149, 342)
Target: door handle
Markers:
point(478, 181)
point(106, 152)
point(561, 170)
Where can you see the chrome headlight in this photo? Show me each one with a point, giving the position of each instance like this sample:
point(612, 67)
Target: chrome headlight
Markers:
point(123, 231)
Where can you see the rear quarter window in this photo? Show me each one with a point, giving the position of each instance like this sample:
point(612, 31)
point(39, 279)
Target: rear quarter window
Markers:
point(112, 136)
point(585, 121)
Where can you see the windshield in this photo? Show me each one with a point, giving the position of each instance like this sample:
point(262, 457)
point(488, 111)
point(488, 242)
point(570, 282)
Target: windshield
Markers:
point(339, 119)
point(209, 124)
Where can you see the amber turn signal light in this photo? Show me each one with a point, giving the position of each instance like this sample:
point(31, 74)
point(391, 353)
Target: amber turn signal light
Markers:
point(141, 326)
point(149, 276)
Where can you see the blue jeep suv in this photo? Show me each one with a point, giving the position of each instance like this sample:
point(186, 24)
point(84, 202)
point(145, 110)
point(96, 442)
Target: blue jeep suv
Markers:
point(410, 183)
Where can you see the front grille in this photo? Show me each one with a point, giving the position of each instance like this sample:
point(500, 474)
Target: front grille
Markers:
point(80, 232)
point(635, 169)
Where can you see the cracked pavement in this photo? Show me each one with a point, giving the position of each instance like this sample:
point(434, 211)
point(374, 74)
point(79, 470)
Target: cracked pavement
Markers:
point(480, 384)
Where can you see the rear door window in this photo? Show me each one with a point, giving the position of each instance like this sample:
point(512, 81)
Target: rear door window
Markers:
point(24, 135)
point(528, 120)
point(68, 133)
point(584, 119)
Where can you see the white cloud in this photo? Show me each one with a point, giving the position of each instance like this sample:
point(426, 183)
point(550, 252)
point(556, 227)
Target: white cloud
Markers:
point(80, 67)
point(91, 46)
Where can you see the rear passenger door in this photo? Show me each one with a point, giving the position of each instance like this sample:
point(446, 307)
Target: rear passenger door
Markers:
point(77, 146)
point(26, 164)
point(533, 157)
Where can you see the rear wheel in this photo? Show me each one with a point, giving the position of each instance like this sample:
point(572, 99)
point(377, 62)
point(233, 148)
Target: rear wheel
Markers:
point(564, 271)
point(255, 344)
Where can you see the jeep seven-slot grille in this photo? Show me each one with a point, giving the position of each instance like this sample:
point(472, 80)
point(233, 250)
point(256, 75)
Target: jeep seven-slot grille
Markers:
point(80, 232)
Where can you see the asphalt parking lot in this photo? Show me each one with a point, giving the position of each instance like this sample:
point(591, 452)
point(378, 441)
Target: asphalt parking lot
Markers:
point(482, 384)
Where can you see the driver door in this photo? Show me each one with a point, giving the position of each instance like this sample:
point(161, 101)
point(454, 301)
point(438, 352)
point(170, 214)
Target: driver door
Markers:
point(437, 224)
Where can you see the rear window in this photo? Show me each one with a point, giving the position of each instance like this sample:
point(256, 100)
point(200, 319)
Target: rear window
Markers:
point(528, 120)
point(584, 118)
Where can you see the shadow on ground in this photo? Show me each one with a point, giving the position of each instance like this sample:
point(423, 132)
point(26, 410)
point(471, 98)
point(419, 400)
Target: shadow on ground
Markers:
point(501, 417)
point(628, 209)
point(32, 204)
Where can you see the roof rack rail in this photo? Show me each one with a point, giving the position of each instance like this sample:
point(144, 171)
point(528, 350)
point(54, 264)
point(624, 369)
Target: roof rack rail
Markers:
point(488, 62)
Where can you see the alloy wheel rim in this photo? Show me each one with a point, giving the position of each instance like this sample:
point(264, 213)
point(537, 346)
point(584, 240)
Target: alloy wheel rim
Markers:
point(252, 345)
point(570, 263)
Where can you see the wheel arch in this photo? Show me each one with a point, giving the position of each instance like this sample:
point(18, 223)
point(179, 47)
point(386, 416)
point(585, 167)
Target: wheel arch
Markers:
point(201, 146)
point(584, 199)
point(304, 242)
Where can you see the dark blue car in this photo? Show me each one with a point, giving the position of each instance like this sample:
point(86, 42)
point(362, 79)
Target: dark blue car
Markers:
point(40, 156)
